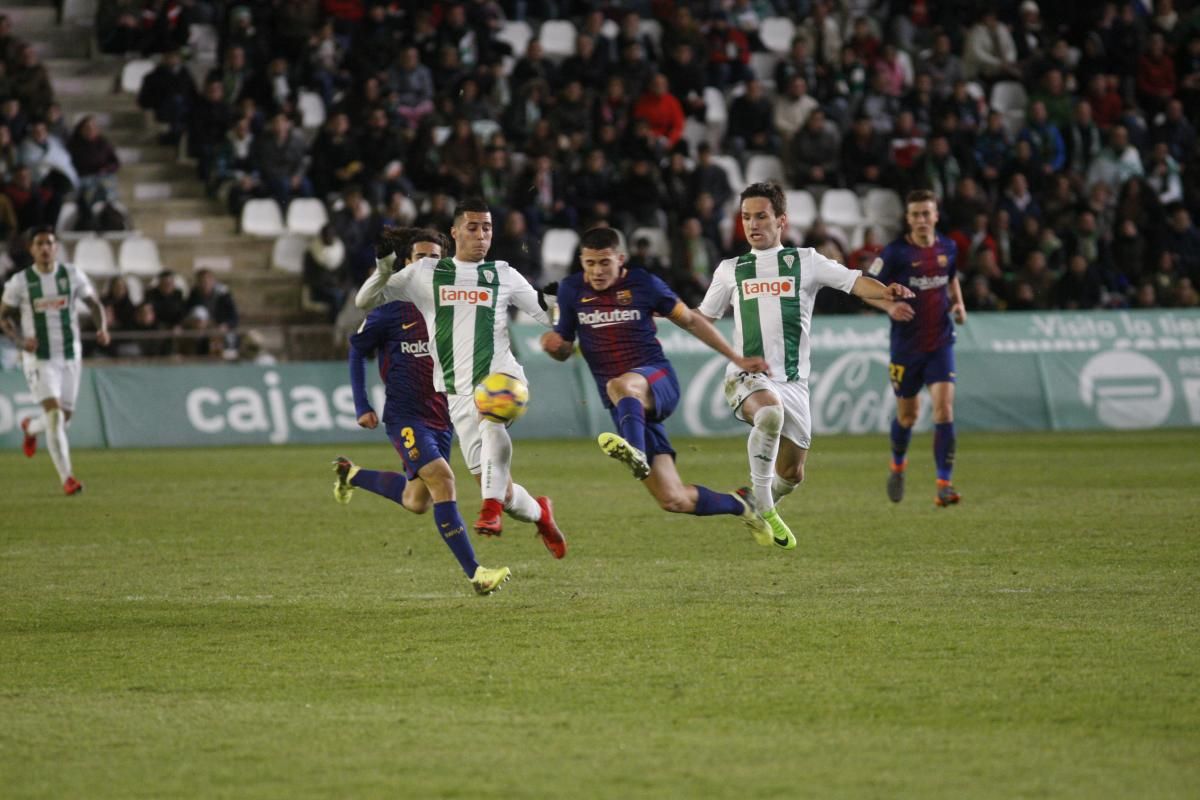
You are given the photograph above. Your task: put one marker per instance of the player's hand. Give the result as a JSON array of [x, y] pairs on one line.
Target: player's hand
[[102, 337], [959, 312], [386, 264], [368, 421], [550, 289], [898, 291], [30, 345], [901, 312], [556, 346], [753, 364]]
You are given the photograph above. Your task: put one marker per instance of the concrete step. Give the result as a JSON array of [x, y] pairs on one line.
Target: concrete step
[[165, 226], [29, 20], [150, 192], [70, 88], [58, 43], [147, 154], [112, 118], [138, 171], [174, 206], [99, 64], [225, 255]]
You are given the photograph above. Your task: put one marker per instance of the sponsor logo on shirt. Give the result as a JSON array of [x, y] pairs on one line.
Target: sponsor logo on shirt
[[407, 325], [44, 304], [755, 288], [588, 299], [463, 296], [420, 348], [602, 319], [924, 282]]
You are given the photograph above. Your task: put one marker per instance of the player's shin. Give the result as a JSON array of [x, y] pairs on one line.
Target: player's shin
[[943, 449], [453, 531], [762, 447], [781, 488], [386, 484], [710, 503], [901, 436], [496, 460], [56, 443], [36, 425], [631, 420], [521, 506]]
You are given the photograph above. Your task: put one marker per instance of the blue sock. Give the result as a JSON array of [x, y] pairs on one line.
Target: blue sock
[[631, 421], [943, 449], [710, 503], [388, 484], [901, 436], [454, 533]]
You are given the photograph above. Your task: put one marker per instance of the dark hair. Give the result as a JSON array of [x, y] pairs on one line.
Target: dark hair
[[920, 196], [39, 230], [600, 239], [771, 192], [401, 240], [475, 205]]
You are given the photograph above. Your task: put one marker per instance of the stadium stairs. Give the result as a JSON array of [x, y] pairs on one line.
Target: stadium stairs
[[165, 199]]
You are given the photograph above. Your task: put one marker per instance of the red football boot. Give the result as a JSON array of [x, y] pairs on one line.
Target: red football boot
[[29, 446], [547, 528], [72, 486], [490, 522]]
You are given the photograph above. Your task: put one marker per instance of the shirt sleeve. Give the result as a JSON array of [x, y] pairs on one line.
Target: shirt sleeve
[[952, 255], [827, 272], [720, 292], [358, 381], [84, 283], [12, 292], [370, 335], [881, 267], [567, 321], [525, 297], [663, 299], [379, 288]]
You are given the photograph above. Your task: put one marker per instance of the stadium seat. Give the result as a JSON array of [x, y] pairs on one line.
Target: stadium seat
[[764, 65], [716, 115], [725, 229], [306, 215], [694, 133], [558, 252], [516, 34], [312, 110], [777, 33], [485, 129], [840, 207], [765, 168], [137, 290], [288, 253], [440, 134], [202, 39], [94, 256], [610, 29], [653, 29], [733, 171], [139, 256], [801, 208], [133, 72], [68, 215], [659, 245], [262, 217], [1009, 96], [558, 38], [883, 207]]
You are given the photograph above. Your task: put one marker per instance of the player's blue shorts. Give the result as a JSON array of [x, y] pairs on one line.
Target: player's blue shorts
[[664, 388], [910, 372], [418, 444]]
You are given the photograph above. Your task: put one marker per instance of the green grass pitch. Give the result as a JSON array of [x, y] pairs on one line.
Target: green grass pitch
[[209, 623]]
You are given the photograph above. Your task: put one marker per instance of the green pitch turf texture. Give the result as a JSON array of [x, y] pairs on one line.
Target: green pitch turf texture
[[209, 623]]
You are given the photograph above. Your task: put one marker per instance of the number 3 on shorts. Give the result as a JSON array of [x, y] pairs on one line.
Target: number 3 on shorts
[[896, 373], [409, 439]]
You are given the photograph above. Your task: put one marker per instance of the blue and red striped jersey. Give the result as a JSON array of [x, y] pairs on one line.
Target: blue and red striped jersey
[[615, 327], [927, 271], [396, 331]]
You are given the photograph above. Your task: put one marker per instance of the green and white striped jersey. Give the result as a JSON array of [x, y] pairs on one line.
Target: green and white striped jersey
[[49, 312], [465, 306], [772, 293]]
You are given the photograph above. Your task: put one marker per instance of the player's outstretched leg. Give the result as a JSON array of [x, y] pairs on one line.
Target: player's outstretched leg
[[901, 436], [31, 427], [60, 450], [762, 448], [943, 456], [525, 507], [751, 517], [496, 464], [351, 476], [619, 449]]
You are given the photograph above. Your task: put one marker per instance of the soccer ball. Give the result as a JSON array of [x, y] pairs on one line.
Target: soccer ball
[[501, 398]]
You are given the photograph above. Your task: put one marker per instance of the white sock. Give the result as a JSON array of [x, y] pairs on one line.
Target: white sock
[[37, 424], [496, 460], [763, 446], [781, 488], [522, 506], [56, 443]]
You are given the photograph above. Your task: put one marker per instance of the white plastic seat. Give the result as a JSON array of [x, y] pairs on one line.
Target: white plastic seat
[[652, 28], [68, 215], [94, 256], [716, 115], [134, 72], [202, 39], [776, 34], [883, 207], [659, 245], [761, 168], [764, 65], [1009, 96], [801, 208], [306, 215], [137, 290], [288, 253], [262, 217], [516, 34], [558, 38], [139, 256], [840, 207], [558, 251], [312, 110], [733, 171], [485, 129]]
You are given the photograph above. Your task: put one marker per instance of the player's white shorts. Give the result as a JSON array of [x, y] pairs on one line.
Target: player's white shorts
[[793, 396], [465, 417], [54, 378]]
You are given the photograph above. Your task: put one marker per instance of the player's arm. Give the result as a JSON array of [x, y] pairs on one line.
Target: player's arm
[[527, 298], [560, 342], [881, 270], [10, 324], [384, 284], [958, 308], [700, 326], [719, 295], [358, 387], [100, 318], [870, 289]]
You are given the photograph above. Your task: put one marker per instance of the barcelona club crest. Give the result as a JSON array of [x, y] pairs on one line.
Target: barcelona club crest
[[414, 453], [943, 261], [624, 297]]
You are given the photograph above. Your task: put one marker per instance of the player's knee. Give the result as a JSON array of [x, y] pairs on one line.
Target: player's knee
[[769, 419], [943, 414], [617, 388], [906, 418]]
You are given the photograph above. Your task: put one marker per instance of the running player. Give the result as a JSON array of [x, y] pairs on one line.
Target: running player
[[922, 339], [39, 313], [611, 308], [772, 289], [465, 301], [415, 417]]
